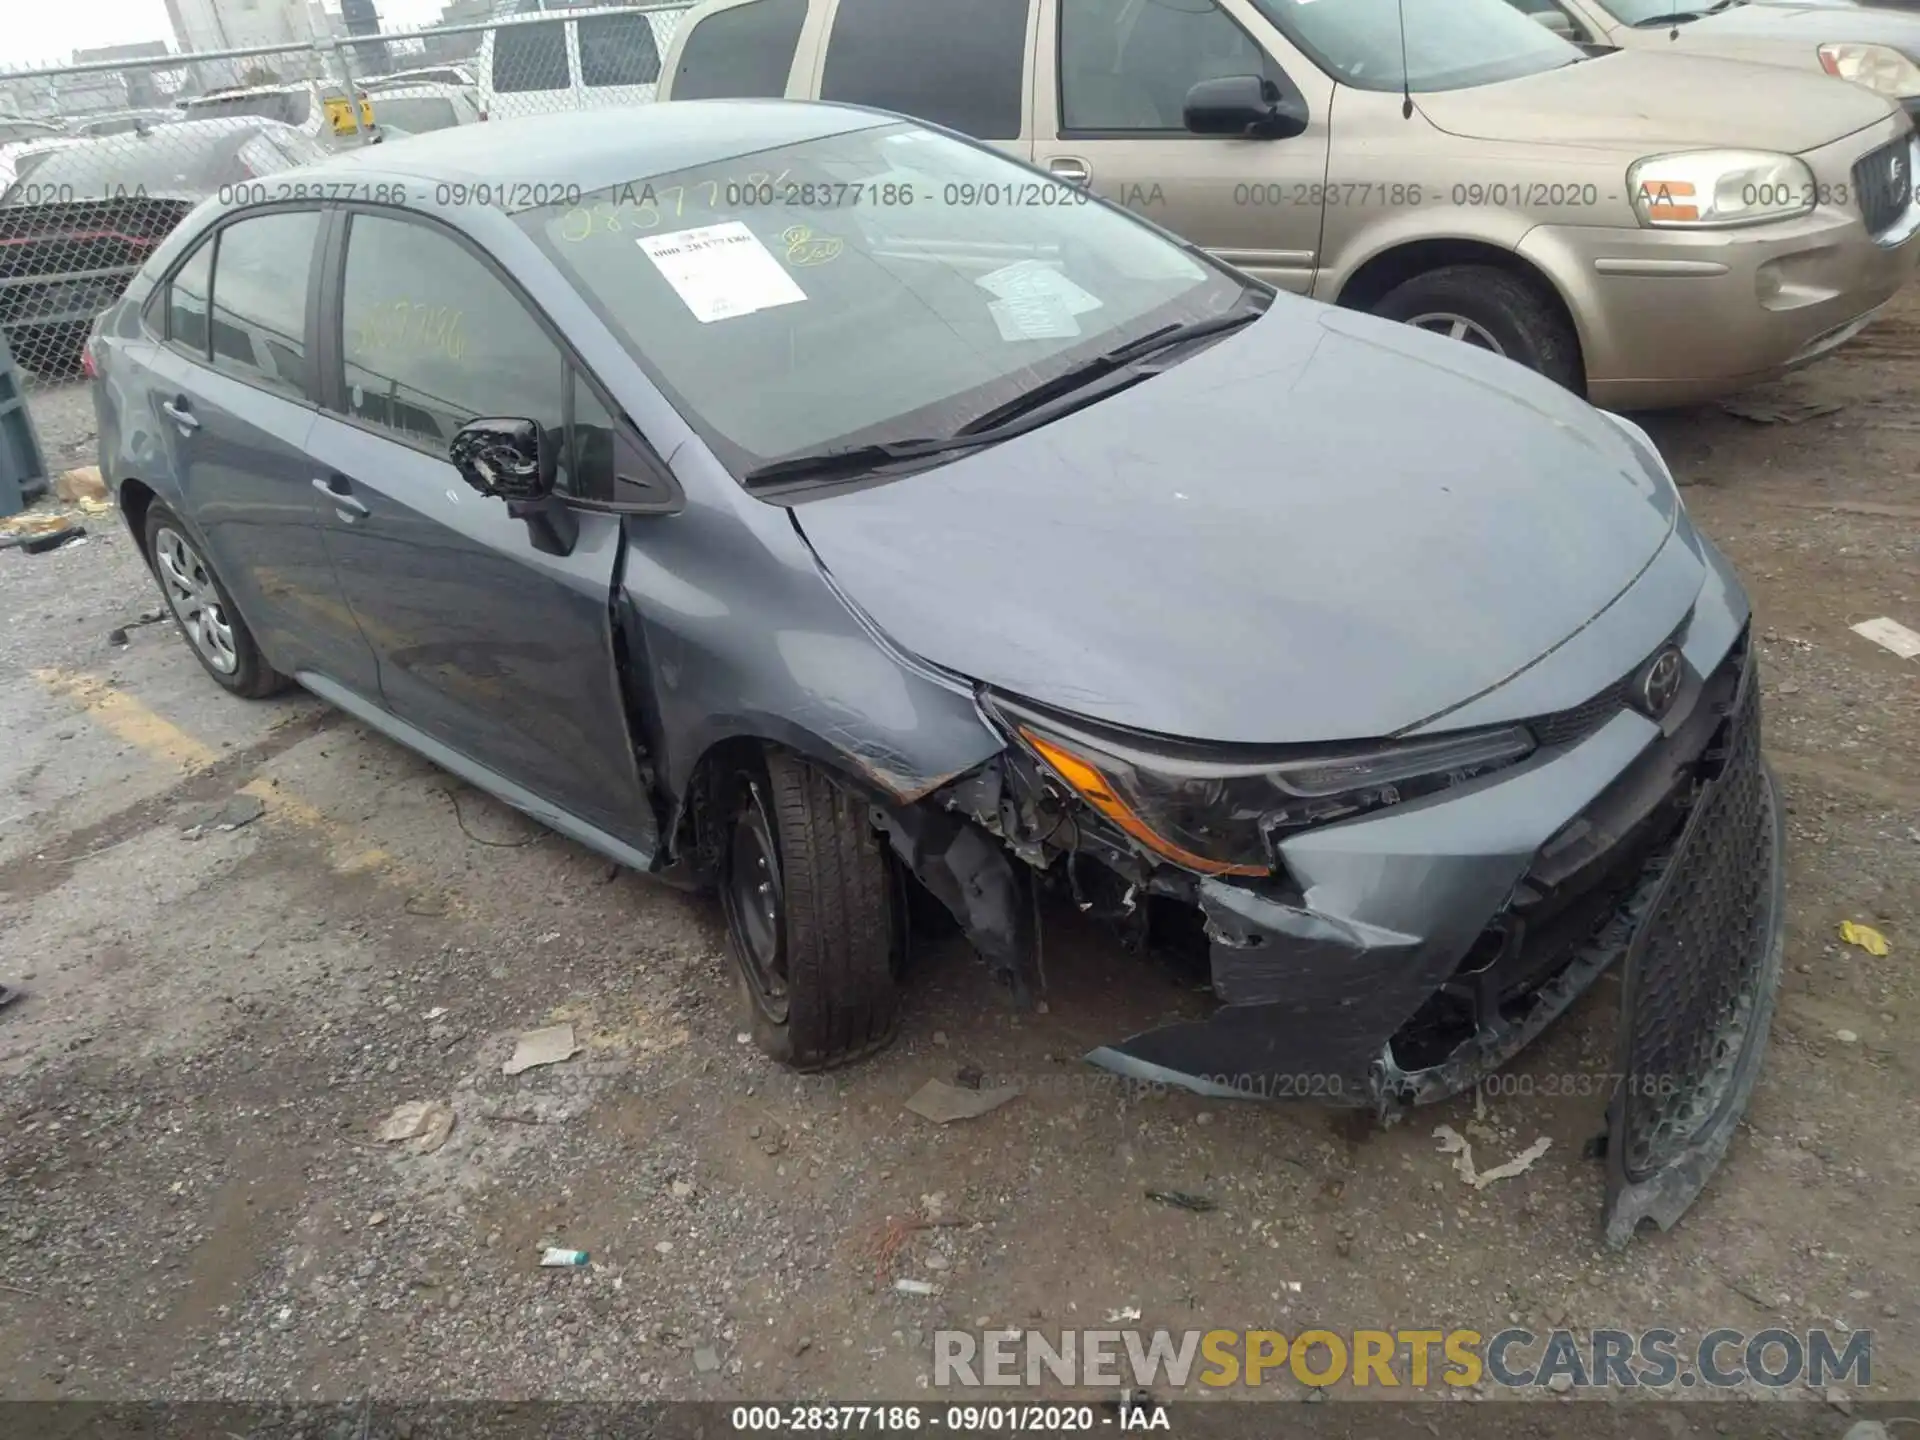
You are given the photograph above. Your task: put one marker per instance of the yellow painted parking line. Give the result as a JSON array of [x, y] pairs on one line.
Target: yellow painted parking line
[[126, 717], [131, 721]]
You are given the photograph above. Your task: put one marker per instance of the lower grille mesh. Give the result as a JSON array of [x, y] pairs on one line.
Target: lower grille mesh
[[1701, 956]]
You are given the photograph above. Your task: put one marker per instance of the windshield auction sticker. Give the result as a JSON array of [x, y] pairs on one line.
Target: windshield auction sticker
[[721, 271]]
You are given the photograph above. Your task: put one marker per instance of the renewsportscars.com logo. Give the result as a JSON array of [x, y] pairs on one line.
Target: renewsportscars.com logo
[[1516, 1358]]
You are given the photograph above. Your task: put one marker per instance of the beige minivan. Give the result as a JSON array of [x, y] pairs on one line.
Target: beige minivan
[[1650, 228]]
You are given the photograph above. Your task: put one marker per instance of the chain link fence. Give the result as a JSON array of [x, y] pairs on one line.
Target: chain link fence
[[100, 160]]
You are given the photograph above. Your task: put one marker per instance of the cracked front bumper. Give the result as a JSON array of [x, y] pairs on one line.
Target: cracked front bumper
[[1423, 947]]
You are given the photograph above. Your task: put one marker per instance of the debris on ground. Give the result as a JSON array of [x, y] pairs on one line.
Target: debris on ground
[[1866, 937], [969, 1077], [1453, 1143], [548, 1046], [1890, 634], [706, 1359], [1125, 1315], [1181, 1200], [30, 525], [943, 1103], [554, 1258], [239, 810], [1766, 410], [913, 1287], [58, 537], [893, 1236], [81, 485], [9, 994], [118, 635], [426, 1123]]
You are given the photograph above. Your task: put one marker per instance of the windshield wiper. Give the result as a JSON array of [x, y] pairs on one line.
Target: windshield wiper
[[856, 459], [1678, 17], [852, 459], [1104, 364]]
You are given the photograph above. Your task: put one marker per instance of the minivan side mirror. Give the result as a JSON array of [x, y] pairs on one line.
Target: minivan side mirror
[[515, 460], [1556, 20], [1249, 106], [508, 458]]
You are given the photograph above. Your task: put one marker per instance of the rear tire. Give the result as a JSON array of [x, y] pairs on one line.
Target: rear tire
[[813, 919], [1494, 310], [209, 621]]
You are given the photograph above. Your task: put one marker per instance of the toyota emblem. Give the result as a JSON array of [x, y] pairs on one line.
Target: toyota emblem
[[1658, 684]]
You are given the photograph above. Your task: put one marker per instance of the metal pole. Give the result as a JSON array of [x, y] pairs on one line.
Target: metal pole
[[353, 95]]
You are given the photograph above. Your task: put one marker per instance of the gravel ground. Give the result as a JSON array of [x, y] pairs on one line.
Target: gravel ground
[[194, 1201]]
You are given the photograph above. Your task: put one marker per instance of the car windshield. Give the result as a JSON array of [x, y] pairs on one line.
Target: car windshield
[[415, 114], [864, 287], [1646, 12], [1448, 44], [290, 107]]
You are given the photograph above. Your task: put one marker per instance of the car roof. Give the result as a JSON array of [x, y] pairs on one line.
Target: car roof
[[589, 149], [284, 87], [418, 90]]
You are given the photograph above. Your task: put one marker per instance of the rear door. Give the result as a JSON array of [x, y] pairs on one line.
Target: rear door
[[498, 651], [1109, 112], [230, 389], [959, 63]]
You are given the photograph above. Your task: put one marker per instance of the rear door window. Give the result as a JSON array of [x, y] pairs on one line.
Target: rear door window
[[260, 299], [958, 63], [742, 52], [531, 57], [617, 50], [187, 302], [432, 338]]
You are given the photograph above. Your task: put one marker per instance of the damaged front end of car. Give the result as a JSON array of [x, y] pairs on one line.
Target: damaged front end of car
[[1387, 925]]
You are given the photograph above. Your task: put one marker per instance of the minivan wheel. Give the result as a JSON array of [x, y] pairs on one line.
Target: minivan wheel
[[203, 610], [811, 906], [1491, 309]]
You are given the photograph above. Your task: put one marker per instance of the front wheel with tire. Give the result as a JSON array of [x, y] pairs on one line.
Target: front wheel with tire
[[1491, 309], [812, 914], [204, 611]]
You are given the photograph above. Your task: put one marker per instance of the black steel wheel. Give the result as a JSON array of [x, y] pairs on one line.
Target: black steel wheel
[[813, 914]]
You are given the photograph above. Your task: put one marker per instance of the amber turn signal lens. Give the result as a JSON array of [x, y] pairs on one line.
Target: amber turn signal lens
[[1091, 786]]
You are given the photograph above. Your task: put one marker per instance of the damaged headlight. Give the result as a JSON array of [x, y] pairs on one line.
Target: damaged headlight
[[1213, 809]]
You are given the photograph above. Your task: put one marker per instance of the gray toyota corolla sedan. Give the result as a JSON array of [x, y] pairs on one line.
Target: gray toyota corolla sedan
[[815, 505]]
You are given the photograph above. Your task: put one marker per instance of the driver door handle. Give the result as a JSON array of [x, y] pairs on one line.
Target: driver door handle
[[337, 488], [1070, 168], [177, 411]]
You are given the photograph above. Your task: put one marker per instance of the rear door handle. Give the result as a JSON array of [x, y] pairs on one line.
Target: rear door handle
[[177, 411], [338, 489], [1070, 168]]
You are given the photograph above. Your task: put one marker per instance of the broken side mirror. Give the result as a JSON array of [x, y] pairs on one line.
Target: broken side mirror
[[508, 458], [1244, 106], [517, 461]]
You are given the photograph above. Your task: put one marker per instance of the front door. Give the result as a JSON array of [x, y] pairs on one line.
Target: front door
[[230, 389], [1109, 95], [499, 651]]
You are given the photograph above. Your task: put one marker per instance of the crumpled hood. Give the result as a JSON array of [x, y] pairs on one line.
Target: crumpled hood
[[1660, 99], [1325, 526]]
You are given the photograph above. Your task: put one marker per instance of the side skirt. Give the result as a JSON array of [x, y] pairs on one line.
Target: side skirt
[[476, 774]]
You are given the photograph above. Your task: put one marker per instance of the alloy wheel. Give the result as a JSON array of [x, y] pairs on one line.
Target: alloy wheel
[[1457, 327], [195, 599]]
